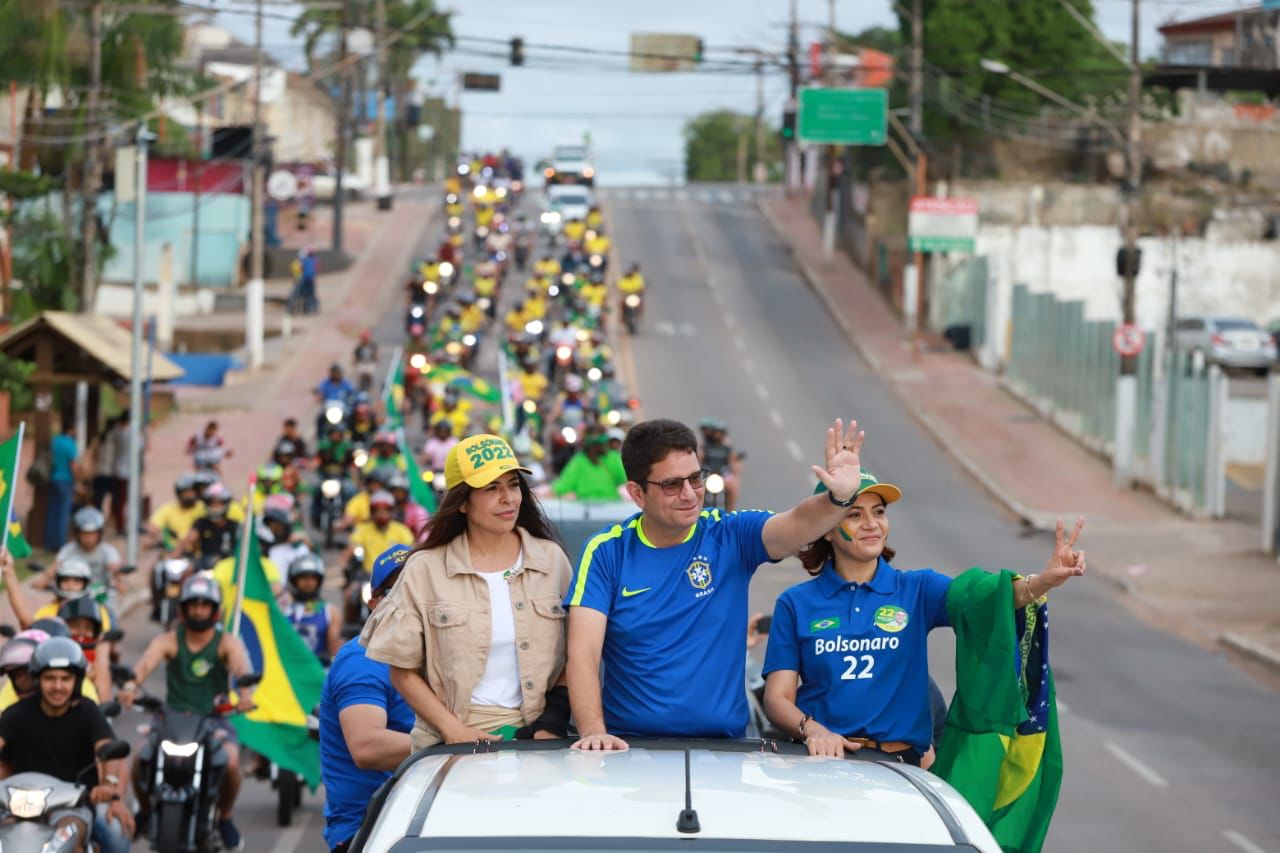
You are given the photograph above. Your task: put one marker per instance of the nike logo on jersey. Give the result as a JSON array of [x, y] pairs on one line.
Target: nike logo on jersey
[[627, 593]]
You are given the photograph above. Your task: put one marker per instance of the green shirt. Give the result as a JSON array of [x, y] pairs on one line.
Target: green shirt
[[194, 679], [591, 481]]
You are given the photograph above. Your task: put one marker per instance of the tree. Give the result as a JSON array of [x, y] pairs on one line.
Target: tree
[[712, 141], [43, 254]]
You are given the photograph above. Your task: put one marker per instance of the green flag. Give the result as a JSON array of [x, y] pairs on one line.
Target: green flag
[[292, 676], [393, 400], [420, 491], [10, 457], [472, 385], [1001, 748]]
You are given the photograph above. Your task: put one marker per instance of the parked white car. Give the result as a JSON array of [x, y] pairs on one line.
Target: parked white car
[[664, 795]]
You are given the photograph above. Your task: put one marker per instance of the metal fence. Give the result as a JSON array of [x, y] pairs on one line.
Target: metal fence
[[959, 299]]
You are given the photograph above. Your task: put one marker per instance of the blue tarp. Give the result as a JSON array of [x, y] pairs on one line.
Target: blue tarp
[[203, 368]]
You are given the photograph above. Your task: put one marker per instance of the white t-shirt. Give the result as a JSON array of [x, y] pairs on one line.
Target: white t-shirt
[[500, 684]]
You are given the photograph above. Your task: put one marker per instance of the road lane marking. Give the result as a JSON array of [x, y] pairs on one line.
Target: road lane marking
[[665, 328], [1242, 842], [794, 450], [1136, 766], [290, 838], [761, 391], [776, 417]]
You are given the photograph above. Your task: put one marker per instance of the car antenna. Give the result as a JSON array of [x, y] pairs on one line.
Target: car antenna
[[688, 820]]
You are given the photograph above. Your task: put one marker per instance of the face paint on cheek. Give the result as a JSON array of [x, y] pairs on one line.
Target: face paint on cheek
[[844, 534]]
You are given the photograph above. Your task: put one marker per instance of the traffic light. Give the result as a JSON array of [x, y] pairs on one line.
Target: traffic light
[[1126, 263], [788, 131], [517, 51]]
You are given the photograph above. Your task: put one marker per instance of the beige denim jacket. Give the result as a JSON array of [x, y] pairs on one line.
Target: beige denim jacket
[[436, 620]]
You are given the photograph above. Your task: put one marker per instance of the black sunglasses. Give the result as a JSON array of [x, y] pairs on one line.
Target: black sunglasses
[[675, 485]]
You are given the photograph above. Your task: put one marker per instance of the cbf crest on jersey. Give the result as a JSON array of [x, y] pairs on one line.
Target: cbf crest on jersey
[[699, 572]]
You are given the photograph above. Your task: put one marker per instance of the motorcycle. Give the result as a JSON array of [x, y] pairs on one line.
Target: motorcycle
[[166, 583], [631, 306], [330, 497], [288, 784], [356, 591], [523, 248], [181, 768], [416, 315], [28, 800], [331, 413]]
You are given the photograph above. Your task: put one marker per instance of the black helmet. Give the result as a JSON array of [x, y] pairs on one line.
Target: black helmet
[[60, 653], [84, 607], [51, 625], [278, 515], [307, 564], [200, 588], [186, 483]]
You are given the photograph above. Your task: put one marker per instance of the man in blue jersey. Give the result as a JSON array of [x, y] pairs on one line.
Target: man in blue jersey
[[661, 598], [364, 722]]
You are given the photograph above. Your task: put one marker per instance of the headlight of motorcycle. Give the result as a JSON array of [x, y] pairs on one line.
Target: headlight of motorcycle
[[553, 290], [632, 300], [416, 311], [469, 340], [570, 434], [614, 417], [333, 414], [568, 279], [480, 191], [430, 288], [28, 803], [453, 348], [446, 269], [417, 361], [330, 489], [530, 407], [483, 303], [500, 192], [482, 231], [583, 335], [179, 750], [451, 198], [455, 222], [594, 374], [715, 484], [564, 353], [361, 457], [595, 260]]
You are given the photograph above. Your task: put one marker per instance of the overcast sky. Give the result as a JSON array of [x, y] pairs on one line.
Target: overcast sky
[[635, 119]]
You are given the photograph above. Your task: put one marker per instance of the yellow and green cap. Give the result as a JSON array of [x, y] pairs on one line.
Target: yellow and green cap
[[888, 491], [478, 460]]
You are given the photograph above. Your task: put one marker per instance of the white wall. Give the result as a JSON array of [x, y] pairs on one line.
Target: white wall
[[1078, 262]]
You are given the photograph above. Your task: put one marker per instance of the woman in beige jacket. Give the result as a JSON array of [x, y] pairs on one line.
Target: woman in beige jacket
[[474, 630]]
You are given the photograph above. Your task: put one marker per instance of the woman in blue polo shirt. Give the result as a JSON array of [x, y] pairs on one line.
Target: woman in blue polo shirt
[[847, 665]]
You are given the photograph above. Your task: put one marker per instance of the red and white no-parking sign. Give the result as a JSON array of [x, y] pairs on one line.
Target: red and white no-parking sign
[[1128, 339]]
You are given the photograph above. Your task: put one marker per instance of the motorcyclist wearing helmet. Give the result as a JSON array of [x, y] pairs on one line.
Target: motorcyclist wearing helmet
[[214, 535], [224, 571], [87, 545], [290, 433], [173, 520], [57, 732], [380, 532], [287, 541], [452, 407], [268, 483], [409, 513], [85, 619], [719, 457], [356, 509], [365, 359], [316, 621], [364, 423], [71, 580], [384, 453], [200, 661], [334, 387], [15, 659], [333, 451]]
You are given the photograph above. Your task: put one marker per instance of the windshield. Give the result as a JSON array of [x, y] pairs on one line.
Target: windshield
[[570, 152], [1236, 325], [571, 200]]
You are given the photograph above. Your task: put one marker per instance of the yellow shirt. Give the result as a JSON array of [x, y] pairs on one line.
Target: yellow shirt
[[485, 285], [430, 271], [8, 695], [472, 318], [514, 321], [459, 419], [235, 511], [597, 245], [224, 572], [358, 507], [534, 385], [484, 215], [595, 294], [574, 229], [173, 517], [594, 219], [452, 185], [547, 267], [50, 610], [375, 541], [535, 307], [631, 283]]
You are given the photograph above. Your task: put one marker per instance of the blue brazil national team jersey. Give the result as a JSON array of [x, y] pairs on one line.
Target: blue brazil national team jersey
[[675, 649], [861, 650], [353, 679]]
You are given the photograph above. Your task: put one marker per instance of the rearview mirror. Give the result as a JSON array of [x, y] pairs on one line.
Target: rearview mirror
[[114, 750], [7, 630], [115, 635], [249, 679], [121, 674], [110, 709], [128, 569]]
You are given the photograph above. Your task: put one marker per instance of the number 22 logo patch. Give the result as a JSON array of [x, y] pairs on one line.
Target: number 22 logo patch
[[891, 618]]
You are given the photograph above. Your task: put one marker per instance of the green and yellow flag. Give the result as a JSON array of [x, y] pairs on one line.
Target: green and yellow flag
[[420, 490], [10, 457], [1001, 748], [470, 384], [393, 400], [292, 676]]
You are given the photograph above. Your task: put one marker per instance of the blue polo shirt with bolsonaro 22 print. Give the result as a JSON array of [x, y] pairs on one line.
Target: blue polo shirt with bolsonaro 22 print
[[675, 646], [862, 650]]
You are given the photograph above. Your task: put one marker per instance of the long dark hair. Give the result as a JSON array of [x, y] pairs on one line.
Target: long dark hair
[[816, 554], [449, 521]]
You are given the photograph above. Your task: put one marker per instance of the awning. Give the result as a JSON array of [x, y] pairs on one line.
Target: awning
[[106, 344]]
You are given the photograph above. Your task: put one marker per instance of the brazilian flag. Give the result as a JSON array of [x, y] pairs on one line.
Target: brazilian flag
[[10, 457], [393, 401], [420, 490], [1001, 748], [292, 676], [470, 384]]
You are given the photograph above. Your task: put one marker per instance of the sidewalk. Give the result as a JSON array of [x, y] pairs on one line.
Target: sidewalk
[[1161, 558]]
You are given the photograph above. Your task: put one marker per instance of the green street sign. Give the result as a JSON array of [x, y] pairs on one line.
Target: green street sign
[[843, 116]]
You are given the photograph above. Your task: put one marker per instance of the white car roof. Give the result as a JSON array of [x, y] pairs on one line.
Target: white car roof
[[553, 798]]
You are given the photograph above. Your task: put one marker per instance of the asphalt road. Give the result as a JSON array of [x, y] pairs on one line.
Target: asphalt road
[[1167, 746]]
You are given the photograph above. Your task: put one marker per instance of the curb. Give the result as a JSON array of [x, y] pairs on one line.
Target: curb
[[1029, 517], [1251, 649]]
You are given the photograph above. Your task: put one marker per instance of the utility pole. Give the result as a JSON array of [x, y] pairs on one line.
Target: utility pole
[[791, 154], [1127, 383], [917, 69], [344, 116], [254, 304], [831, 217], [759, 171], [92, 166], [381, 165], [134, 519]]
